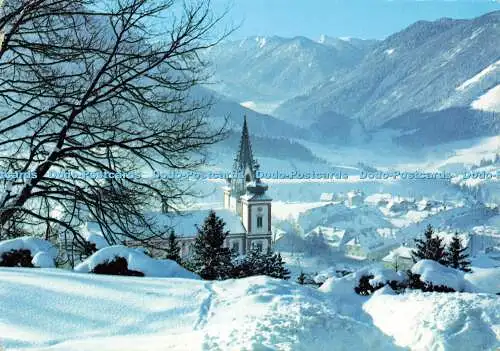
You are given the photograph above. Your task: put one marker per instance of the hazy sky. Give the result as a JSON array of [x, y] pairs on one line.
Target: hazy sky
[[355, 18]]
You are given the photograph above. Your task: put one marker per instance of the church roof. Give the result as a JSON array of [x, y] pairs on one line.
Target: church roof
[[400, 252], [184, 223]]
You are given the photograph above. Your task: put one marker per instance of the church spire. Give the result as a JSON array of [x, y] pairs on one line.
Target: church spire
[[245, 167], [244, 158]]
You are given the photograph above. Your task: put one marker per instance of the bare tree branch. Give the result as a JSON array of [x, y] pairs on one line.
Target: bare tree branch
[[101, 87]]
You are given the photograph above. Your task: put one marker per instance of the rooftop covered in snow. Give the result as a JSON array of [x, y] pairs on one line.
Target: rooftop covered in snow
[[184, 223], [401, 252]]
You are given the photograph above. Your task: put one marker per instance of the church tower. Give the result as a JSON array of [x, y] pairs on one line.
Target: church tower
[[246, 195]]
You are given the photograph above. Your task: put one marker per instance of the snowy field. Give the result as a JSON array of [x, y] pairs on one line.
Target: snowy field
[[51, 309]]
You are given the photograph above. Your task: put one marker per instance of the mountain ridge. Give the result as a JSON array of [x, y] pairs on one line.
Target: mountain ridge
[[418, 68], [275, 68]]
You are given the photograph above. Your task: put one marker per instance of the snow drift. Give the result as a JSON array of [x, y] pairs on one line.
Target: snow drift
[[42, 251], [137, 261], [432, 272], [438, 321], [421, 321], [67, 311]]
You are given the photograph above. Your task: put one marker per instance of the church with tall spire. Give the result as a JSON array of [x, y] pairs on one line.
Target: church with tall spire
[[246, 211], [245, 195]]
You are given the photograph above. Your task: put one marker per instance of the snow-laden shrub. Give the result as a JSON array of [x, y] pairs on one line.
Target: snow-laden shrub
[[16, 258], [27, 251], [117, 266], [308, 279], [372, 278], [108, 259], [91, 244], [429, 275], [365, 281], [337, 271], [368, 285]]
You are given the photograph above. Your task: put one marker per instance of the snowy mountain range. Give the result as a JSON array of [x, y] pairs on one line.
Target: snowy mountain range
[[427, 67], [443, 73], [268, 69]]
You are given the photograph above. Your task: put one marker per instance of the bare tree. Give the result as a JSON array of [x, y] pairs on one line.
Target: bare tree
[[102, 87]]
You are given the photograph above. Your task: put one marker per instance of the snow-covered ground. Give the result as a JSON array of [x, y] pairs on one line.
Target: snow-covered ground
[[433, 321], [74, 311]]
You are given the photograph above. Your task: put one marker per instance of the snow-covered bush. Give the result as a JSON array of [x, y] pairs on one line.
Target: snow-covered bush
[[16, 258], [93, 242], [365, 281], [309, 279], [429, 275], [117, 266], [98, 241], [338, 271], [27, 251], [373, 278], [113, 258]]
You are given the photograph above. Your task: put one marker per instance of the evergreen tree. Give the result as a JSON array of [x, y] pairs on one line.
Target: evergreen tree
[[257, 262], [241, 268], [211, 260], [429, 248], [275, 267], [456, 255], [173, 248]]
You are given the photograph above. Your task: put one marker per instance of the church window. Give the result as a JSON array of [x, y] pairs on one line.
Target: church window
[[259, 222], [257, 245], [235, 247], [247, 178]]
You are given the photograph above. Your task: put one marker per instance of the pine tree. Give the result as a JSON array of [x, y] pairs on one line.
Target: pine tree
[[276, 267], [211, 260], [456, 255], [258, 262], [173, 248], [422, 245], [430, 248]]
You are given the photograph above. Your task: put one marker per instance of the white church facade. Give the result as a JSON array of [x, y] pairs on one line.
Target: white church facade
[[246, 210]]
